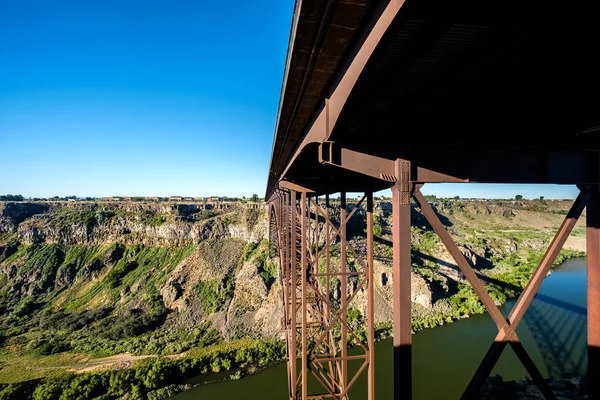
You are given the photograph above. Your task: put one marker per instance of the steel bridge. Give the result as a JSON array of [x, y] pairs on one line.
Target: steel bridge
[[396, 94]]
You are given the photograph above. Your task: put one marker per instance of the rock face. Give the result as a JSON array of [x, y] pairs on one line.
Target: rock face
[[115, 254], [212, 264], [151, 224], [12, 214], [171, 292], [420, 291]]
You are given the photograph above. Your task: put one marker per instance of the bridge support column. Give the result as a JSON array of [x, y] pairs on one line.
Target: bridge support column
[[401, 194], [370, 300], [593, 294]]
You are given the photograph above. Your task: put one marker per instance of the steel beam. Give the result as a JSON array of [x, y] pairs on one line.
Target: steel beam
[[325, 119], [522, 304], [304, 278], [344, 292], [506, 328], [593, 293], [376, 167], [401, 193], [370, 300], [295, 187], [293, 291]]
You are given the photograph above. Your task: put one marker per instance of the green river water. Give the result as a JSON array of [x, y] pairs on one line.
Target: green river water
[[444, 358]]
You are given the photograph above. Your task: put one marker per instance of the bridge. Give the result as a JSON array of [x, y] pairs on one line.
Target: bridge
[[396, 94]]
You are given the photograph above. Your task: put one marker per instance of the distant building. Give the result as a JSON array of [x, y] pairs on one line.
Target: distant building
[[175, 198], [215, 199]]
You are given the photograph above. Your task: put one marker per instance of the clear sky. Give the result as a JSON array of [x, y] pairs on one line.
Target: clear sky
[[148, 97]]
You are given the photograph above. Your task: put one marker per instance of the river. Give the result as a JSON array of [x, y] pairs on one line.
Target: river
[[553, 332]]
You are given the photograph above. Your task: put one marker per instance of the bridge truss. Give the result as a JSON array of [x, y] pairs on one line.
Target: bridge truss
[[318, 293]]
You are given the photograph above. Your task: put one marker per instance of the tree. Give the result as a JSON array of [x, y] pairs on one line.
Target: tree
[[518, 197], [11, 197], [254, 197], [541, 197]]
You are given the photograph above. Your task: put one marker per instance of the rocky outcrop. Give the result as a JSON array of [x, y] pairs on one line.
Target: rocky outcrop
[[151, 224], [12, 214]]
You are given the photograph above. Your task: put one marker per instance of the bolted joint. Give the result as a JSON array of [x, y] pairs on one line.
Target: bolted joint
[[404, 186]]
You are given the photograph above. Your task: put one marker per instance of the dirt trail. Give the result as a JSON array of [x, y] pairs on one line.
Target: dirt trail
[[118, 361]]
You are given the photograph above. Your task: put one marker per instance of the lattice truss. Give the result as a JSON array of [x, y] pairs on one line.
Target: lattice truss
[[322, 277]]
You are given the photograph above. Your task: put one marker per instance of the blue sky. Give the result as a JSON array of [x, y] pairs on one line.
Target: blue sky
[[147, 97]]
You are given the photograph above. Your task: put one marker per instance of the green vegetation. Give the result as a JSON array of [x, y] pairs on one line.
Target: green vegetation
[[11, 197], [74, 216], [266, 270], [152, 378], [151, 219], [426, 240], [206, 214], [209, 296]]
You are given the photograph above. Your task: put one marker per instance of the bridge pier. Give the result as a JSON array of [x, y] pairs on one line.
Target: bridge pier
[[319, 294], [401, 193], [593, 293]]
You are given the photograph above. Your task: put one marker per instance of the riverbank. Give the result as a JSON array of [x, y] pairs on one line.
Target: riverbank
[[152, 378]]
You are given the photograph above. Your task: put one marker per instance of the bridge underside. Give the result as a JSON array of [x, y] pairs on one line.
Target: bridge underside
[[397, 94], [478, 91]]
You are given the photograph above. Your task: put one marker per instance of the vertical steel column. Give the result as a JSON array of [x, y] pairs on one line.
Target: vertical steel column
[[316, 264], [304, 277], [293, 300], [344, 293], [328, 311], [401, 280], [593, 293], [370, 301], [283, 243]]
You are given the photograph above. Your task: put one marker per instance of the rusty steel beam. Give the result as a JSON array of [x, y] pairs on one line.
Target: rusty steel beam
[[541, 271], [370, 300], [463, 264], [401, 193], [295, 187], [292, 331], [506, 330], [344, 290], [376, 167], [593, 293], [325, 119], [525, 299], [304, 278]]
